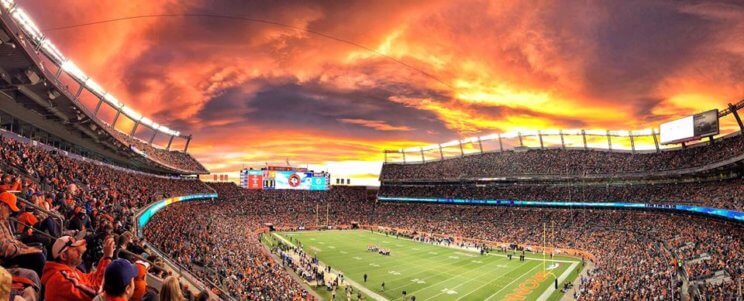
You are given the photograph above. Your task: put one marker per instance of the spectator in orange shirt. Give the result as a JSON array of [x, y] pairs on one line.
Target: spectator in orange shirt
[[140, 283], [61, 278], [12, 251]]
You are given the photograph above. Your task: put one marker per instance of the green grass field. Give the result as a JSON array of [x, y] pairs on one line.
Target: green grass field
[[432, 272]]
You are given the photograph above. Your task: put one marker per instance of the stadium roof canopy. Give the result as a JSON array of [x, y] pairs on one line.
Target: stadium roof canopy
[[41, 97]]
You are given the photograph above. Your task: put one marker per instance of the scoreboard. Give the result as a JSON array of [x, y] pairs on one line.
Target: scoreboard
[[284, 179]]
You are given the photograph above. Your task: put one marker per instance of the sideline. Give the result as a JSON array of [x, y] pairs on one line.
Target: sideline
[[353, 283], [293, 274], [508, 285], [490, 254], [589, 266], [546, 294], [283, 239]]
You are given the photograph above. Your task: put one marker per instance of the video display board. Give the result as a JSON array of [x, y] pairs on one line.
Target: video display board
[[690, 128], [254, 179], [299, 179]]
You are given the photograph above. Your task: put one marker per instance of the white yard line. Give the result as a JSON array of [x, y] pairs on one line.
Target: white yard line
[[478, 251], [283, 239], [510, 283], [488, 283], [546, 294], [457, 286], [449, 279], [366, 291], [534, 259]]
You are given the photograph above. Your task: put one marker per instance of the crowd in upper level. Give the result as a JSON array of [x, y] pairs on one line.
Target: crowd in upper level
[[179, 160], [727, 194], [569, 162]]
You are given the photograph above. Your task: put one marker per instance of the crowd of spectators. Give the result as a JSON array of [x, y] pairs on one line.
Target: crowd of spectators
[[639, 255], [179, 160], [72, 240], [728, 194], [223, 246], [218, 242], [635, 250], [66, 226], [569, 162]]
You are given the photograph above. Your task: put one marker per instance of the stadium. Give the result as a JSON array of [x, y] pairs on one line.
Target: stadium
[[267, 151]]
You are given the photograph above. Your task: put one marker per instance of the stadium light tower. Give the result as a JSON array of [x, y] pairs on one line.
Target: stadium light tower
[[583, 136], [609, 140], [188, 140], [734, 110], [656, 140]]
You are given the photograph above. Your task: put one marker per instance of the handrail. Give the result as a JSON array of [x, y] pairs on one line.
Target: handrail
[[142, 217], [47, 212], [47, 235], [180, 270], [185, 273]]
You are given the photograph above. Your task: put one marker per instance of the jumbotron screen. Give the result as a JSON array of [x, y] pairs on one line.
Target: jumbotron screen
[[690, 128], [284, 179]]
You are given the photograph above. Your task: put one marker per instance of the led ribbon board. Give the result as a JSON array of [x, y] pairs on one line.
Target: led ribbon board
[[148, 213], [716, 212]]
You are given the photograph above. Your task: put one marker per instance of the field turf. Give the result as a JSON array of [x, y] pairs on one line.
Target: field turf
[[432, 272]]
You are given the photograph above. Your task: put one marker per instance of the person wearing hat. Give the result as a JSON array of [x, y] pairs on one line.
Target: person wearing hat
[[10, 184], [61, 278], [140, 282], [118, 281], [13, 252], [27, 225]]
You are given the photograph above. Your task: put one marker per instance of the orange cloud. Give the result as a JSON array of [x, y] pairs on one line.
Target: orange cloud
[[375, 124], [338, 82]]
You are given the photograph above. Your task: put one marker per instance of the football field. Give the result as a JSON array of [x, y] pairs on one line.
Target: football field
[[431, 272]]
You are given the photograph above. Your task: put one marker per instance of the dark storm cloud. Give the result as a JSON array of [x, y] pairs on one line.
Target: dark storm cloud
[[312, 107], [639, 45]]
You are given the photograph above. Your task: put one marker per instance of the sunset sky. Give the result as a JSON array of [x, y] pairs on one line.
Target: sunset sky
[[334, 83]]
